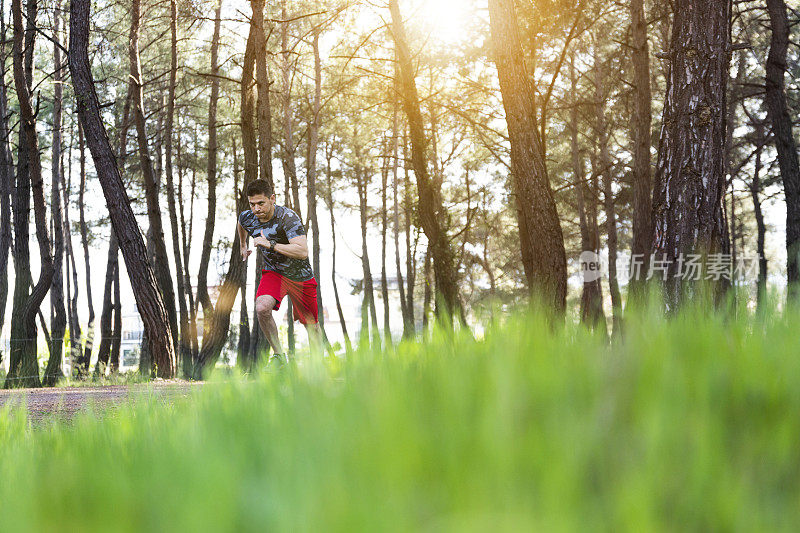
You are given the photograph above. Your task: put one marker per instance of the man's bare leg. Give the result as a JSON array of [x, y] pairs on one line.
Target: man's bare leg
[[264, 307], [314, 338]]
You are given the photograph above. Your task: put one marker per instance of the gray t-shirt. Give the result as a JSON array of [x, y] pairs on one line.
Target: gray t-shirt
[[284, 225]]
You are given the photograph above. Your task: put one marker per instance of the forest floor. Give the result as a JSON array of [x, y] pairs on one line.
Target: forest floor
[[61, 403]]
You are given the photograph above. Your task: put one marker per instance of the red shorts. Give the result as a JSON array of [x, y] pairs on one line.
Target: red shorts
[[302, 293]]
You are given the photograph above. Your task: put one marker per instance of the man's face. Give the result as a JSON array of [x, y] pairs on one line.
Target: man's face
[[262, 206]]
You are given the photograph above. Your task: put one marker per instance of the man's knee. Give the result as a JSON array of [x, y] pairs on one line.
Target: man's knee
[[264, 306], [313, 328]]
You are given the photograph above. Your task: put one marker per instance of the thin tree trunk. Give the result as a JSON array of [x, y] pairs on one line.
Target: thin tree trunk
[[411, 272], [217, 331], [251, 156], [329, 199], [24, 368], [31, 12], [408, 326], [185, 354], [542, 242], [148, 300], [53, 370], [755, 190], [368, 286], [289, 310], [21, 206], [87, 348], [465, 233], [591, 309], [608, 194], [108, 316], [311, 172], [104, 350], [431, 211], [264, 110], [248, 110], [75, 346], [258, 341], [485, 259], [244, 328], [211, 172], [151, 192], [289, 165], [368, 301], [6, 175], [186, 249], [640, 132], [690, 173], [387, 331], [117, 336], [731, 124], [785, 145], [426, 304], [242, 358]]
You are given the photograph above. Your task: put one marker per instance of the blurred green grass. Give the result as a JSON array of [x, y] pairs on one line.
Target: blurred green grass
[[690, 423]]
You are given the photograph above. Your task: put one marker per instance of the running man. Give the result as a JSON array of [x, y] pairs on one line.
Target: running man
[[280, 234]]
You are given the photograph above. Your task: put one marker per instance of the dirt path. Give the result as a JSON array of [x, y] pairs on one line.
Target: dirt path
[[64, 402]]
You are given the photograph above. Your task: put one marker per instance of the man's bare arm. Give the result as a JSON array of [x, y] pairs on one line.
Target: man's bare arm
[[245, 251], [296, 249]]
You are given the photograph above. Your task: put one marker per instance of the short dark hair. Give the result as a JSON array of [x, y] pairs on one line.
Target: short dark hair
[[260, 187]]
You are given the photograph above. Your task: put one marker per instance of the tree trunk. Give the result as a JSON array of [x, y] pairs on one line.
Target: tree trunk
[[6, 175], [104, 350], [431, 211], [242, 359], [362, 177], [690, 174], [53, 370], [640, 132], [407, 325], [485, 259], [608, 194], [387, 332], [220, 320], [591, 309], [426, 302], [778, 114], [217, 330], [117, 336], [542, 242], [211, 172], [161, 267], [87, 347], [185, 354], [258, 341], [188, 367], [24, 368], [730, 127], [21, 206], [264, 110], [311, 172], [411, 270], [329, 199], [755, 190], [248, 110], [148, 300], [75, 346], [251, 155], [108, 316], [289, 165]]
